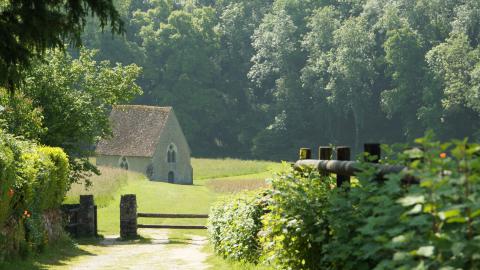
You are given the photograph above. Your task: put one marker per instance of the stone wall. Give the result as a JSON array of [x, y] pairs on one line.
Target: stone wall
[[13, 240], [53, 224], [136, 164], [81, 219], [182, 168]]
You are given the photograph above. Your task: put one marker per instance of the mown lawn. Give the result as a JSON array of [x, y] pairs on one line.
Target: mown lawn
[[212, 178]]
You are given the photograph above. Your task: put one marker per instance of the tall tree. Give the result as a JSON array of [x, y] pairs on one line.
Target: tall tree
[[75, 97], [403, 50], [28, 28], [353, 72]]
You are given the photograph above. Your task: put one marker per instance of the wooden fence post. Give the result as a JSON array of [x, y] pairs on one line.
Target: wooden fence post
[[86, 217], [374, 155], [305, 153], [374, 151], [128, 216], [325, 153], [343, 153]]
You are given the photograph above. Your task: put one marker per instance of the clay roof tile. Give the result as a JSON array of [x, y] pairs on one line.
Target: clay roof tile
[[136, 130]]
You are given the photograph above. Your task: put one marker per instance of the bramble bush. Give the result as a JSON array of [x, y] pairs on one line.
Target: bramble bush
[[233, 225], [34, 179], [380, 224]]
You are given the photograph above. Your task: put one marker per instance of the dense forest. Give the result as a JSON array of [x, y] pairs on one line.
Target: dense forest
[[257, 78]]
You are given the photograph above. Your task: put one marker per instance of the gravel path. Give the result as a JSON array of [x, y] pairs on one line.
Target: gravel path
[[159, 254]]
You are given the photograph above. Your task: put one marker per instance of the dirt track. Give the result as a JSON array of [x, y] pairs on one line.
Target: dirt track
[[159, 253]]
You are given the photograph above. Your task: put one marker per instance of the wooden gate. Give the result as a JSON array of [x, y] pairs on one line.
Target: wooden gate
[[129, 218], [153, 215]]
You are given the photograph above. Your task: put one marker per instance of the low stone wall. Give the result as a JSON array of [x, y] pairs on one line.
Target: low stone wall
[[53, 224], [81, 219], [11, 237]]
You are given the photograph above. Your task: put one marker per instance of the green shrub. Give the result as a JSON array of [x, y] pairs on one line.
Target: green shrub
[[373, 224], [433, 225], [33, 179], [233, 225], [7, 180], [363, 222], [295, 229]]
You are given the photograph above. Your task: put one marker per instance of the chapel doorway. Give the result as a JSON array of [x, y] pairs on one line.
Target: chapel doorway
[[171, 177]]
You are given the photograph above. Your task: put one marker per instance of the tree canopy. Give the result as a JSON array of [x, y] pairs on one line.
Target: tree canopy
[[65, 102], [28, 28], [262, 78]]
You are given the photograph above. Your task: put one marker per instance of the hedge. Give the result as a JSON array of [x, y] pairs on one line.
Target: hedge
[[233, 225], [33, 179]]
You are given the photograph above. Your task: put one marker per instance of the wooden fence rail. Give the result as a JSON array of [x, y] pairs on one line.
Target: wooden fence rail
[[343, 167], [129, 218], [151, 215]]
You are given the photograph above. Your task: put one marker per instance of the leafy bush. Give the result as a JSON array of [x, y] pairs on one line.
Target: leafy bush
[[295, 229], [432, 225], [390, 224], [233, 225], [33, 179], [7, 176]]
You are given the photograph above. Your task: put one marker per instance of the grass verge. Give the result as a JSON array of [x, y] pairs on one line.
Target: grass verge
[[53, 256], [218, 263]]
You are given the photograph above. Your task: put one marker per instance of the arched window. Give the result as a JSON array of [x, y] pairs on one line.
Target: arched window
[[172, 153]]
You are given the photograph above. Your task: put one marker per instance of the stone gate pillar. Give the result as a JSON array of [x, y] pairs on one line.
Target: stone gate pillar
[[128, 216], [86, 217]]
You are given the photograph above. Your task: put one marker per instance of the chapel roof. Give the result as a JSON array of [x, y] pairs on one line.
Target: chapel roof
[[136, 130]]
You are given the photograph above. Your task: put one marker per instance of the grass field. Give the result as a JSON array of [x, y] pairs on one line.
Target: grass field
[[212, 178], [206, 169], [104, 186]]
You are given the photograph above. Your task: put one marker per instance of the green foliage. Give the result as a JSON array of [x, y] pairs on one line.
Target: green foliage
[[28, 29], [34, 179], [20, 116], [8, 176], [263, 78], [75, 97], [295, 227], [387, 224], [426, 226], [233, 225]]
